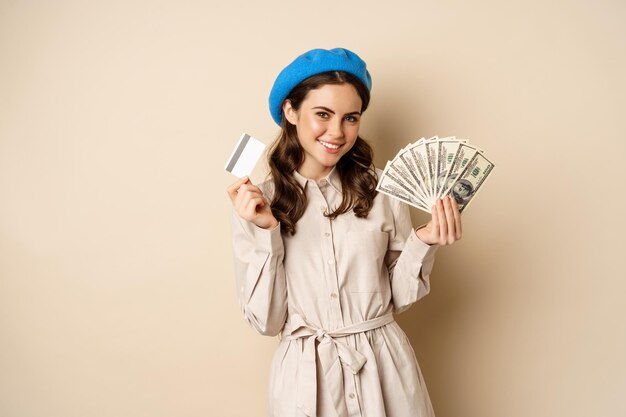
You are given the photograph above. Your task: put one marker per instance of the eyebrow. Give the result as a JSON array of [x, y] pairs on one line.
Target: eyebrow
[[330, 111]]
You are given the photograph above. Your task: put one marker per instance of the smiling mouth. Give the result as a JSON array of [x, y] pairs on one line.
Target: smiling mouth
[[329, 145]]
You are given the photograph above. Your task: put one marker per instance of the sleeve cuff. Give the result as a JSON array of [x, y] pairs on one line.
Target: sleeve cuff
[[269, 240], [418, 249]]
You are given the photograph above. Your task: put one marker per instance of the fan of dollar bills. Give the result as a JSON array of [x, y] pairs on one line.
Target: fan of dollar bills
[[433, 168]]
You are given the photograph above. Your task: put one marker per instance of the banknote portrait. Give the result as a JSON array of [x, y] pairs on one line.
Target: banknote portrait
[[462, 191]]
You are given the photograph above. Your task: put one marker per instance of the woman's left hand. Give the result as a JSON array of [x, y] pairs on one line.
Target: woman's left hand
[[444, 228]]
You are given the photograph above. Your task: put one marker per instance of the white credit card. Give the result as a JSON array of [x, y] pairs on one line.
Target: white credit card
[[245, 156]]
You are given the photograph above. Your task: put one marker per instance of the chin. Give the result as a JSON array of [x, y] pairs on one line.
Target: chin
[[330, 162]]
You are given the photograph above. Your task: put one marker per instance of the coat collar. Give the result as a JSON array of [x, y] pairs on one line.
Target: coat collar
[[332, 178]]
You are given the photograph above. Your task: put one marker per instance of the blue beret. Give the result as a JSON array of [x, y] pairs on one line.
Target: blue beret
[[310, 63]]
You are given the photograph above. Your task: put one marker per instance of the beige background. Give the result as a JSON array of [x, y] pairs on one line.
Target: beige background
[[116, 118]]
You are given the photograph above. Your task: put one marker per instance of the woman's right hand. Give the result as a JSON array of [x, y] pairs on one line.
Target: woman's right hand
[[250, 204]]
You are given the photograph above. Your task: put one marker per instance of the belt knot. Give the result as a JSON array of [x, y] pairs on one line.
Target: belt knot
[[320, 334], [330, 353]]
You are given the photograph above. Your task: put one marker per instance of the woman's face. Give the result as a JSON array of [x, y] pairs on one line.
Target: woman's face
[[327, 124]]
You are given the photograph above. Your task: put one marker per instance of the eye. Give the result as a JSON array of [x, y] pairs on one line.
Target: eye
[[322, 114], [352, 119]]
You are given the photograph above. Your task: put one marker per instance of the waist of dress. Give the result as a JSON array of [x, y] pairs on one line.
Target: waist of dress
[[329, 352], [297, 328]]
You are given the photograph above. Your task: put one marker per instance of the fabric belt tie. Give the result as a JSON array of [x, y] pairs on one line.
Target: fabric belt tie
[[332, 354]]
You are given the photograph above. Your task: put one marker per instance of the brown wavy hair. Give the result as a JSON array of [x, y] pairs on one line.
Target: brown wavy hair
[[356, 169]]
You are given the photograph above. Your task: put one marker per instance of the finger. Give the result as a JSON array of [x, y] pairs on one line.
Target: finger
[[443, 227], [245, 193], [251, 188], [435, 221], [457, 219], [250, 209], [451, 236], [232, 190]]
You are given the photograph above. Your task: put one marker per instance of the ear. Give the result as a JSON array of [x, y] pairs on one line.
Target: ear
[[290, 113]]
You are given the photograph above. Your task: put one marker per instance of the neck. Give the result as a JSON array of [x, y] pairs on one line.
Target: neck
[[314, 173]]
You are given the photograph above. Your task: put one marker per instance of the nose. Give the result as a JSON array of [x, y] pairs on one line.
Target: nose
[[335, 129]]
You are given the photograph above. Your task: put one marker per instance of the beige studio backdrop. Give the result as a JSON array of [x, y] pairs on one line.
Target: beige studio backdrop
[[117, 294]]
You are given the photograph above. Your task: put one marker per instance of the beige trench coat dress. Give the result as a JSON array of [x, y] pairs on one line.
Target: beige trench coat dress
[[330, 292]]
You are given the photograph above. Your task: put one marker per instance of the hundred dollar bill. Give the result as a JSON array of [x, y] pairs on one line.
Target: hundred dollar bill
[[405, 164], [390, 184], [387, 186], [447, 148], [431, 156], [463, 155], [408, 160], [431, 168], [470, 180], [420, 161], [397, 166]]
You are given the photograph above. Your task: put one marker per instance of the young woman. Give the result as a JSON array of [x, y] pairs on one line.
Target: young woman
[[324, 260]]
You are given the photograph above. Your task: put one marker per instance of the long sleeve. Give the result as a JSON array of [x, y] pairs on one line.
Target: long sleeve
[[260, 275], [409, 261]]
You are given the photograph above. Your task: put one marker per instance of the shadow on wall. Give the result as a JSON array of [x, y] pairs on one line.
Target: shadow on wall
[[433, 325]]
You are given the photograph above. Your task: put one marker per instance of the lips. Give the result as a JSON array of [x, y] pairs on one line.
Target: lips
[[329, 146]]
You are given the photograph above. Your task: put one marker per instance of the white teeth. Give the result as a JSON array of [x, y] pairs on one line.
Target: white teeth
[[329, 145]]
